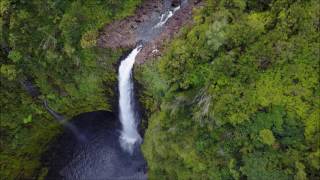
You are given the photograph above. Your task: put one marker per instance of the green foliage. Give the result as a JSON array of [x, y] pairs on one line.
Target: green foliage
[[25, 133], [216, 35], [267, 137], [301, 174], [4, 6], [8, 71], [27, 120], [262, 166], [88, 40], [236, 96], [15, 56], [52, 44]]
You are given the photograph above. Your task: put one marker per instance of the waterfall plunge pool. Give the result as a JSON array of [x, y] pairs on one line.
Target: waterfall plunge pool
[[99, 157]]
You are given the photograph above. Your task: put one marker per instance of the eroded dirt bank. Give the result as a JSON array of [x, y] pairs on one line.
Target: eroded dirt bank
[[128, 32]]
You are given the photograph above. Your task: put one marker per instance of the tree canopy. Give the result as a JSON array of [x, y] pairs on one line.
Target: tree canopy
[[50, 47], [236, 96]]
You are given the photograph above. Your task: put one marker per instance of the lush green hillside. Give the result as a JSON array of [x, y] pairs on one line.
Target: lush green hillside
[[237, 95], [53, 45]]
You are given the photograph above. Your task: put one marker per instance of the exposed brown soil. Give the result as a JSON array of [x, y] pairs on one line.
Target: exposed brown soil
[[124, 33]]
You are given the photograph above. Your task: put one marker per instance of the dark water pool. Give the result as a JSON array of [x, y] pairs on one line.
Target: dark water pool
[[94, 153]]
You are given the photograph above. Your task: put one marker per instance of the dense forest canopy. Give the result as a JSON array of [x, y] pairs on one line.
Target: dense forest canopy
[[48, 51], [236, 96]]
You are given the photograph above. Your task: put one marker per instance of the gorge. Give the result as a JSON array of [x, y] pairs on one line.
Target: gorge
[[160, 89], [81, 159]]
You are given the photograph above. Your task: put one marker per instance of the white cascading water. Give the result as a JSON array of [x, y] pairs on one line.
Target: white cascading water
[[129, 134], [165, 17]]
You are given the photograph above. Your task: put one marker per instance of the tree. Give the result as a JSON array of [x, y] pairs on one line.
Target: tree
[[266, 137]]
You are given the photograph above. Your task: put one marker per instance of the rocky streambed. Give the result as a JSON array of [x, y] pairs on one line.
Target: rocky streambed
[[128, 32]]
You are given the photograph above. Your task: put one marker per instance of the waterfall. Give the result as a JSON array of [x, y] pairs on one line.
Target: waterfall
[[61, 119], [129, 134]]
